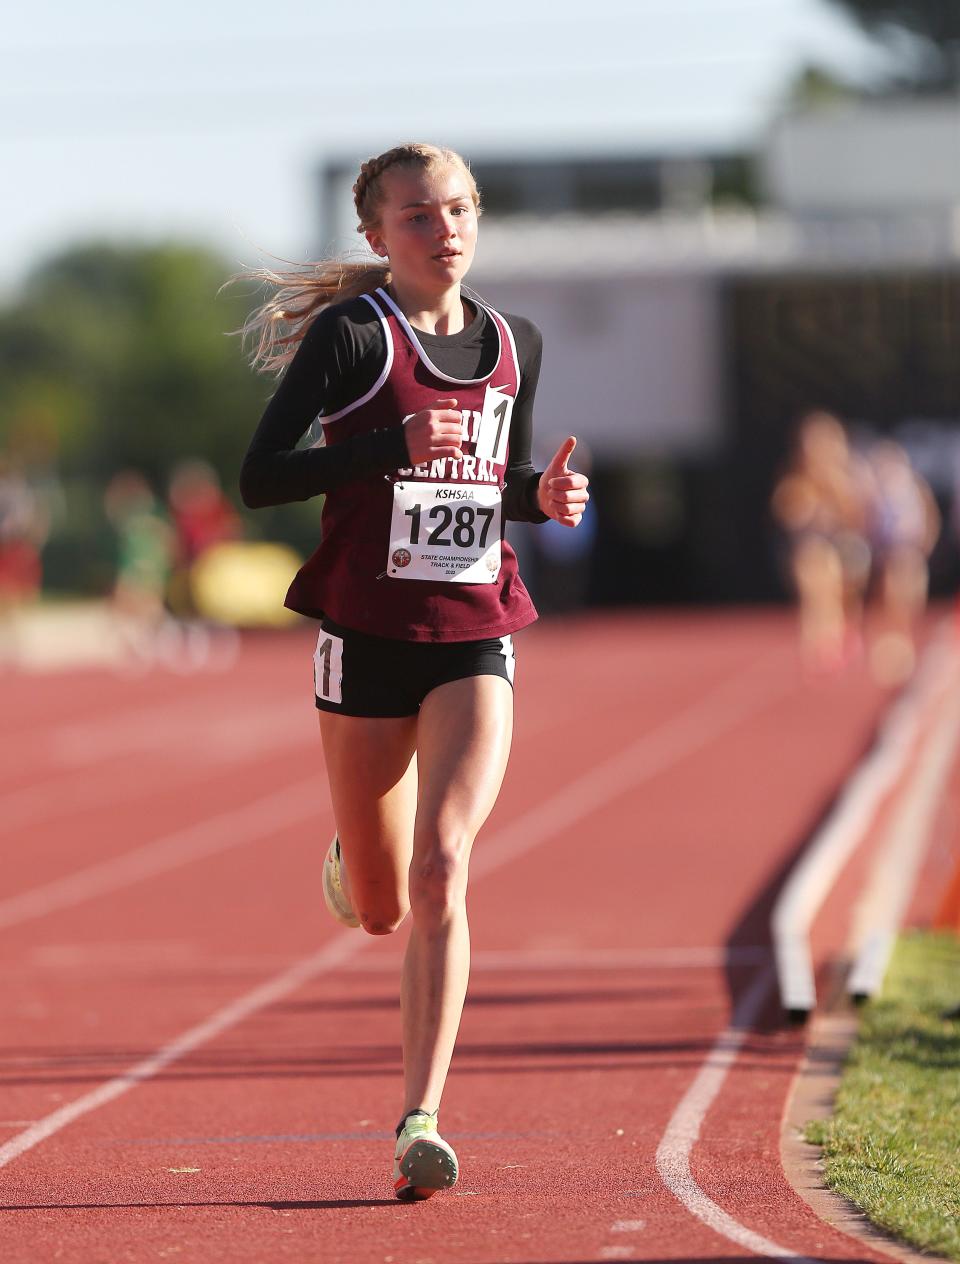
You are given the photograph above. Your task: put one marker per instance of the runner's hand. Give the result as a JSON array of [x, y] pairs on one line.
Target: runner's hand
[[562, 494], [434, 432]]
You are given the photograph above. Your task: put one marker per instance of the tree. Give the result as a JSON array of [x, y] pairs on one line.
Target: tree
[[922, 37], [121, 352], [116, 356], [813, 86]]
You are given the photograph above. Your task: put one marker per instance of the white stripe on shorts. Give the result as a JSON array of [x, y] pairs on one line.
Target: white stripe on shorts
[[328, 667], [506, 649]]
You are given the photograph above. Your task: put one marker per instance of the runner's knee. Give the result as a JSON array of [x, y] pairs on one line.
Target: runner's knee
[[438, 878], [379, 919]]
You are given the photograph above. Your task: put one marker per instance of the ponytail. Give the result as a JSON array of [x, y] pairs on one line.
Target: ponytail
[[276, 328]]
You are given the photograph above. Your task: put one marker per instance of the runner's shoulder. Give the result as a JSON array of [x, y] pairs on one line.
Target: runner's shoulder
[[350, 329], [526, 335]]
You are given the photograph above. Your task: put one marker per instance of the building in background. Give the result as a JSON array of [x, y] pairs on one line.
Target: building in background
[[572, 184], [871, 177]]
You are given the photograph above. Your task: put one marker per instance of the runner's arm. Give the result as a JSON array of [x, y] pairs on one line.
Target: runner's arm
[[334, 350], [521, 479]]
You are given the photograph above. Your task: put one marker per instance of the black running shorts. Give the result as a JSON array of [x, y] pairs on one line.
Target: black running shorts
[[362, 675]]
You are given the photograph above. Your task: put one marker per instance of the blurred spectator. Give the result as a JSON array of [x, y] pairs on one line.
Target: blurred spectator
[[23, 529], [34, 452], [822, 505], [202, 517], [145, 542], [904, 524]]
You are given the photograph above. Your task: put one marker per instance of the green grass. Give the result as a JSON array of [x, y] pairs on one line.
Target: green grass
[[893, 1144]]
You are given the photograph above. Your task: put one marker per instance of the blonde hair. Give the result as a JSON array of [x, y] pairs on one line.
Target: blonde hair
[[278, 325]]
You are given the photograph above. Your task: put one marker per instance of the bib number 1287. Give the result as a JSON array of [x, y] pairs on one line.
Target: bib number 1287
[[445, 532], [458, 526]]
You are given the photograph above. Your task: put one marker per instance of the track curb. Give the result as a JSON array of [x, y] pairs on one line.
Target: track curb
[[811, 1097]]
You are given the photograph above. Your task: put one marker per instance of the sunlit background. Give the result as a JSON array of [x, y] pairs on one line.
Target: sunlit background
[[721, 214]]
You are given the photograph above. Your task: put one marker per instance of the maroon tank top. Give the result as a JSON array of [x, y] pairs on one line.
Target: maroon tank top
[[419, 554]]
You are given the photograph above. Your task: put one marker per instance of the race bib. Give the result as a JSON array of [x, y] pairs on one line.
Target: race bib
[[445, 531]]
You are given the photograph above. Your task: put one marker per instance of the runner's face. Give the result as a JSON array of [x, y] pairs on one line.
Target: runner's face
[[428, 226]]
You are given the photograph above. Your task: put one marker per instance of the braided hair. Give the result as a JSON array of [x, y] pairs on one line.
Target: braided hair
[[368, 192], [278, 325]]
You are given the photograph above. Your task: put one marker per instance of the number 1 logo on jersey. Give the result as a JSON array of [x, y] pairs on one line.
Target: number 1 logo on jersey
[[328, 667], [494, 433]]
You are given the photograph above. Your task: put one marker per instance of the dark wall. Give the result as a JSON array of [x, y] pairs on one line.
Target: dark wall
[[881, 350]]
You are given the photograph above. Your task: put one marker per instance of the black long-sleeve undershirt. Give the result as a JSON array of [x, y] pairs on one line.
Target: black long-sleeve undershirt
[[338, 361]]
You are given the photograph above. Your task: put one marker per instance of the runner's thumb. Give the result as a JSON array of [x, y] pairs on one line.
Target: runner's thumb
[[564, 452]]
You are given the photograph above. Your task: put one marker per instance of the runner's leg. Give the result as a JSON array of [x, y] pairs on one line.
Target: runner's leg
[[463, 740], [372, 770]]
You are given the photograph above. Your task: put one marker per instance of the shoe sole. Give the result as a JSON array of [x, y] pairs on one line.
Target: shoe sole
[[328, 899], [425, 1169]]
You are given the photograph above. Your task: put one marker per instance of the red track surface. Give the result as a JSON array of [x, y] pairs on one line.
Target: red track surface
[[608, 953]]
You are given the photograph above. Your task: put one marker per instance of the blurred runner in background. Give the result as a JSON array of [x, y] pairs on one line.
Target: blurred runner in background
[[822, 504], [904, 523], [144, 543], [202, 517], [23, 529]]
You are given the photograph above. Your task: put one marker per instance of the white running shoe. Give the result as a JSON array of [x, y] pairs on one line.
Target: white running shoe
[[422, 1162], [333, 892]]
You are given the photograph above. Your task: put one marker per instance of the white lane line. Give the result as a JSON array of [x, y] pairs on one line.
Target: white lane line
[[241, 737], [132, 957], [683, 1130], [602, 783], [151, 728], [194, 730], [692, 729], [883, 905], [262, 818], [202, 749], [813, 877], [696, 727], [544, 960], [266, 994]]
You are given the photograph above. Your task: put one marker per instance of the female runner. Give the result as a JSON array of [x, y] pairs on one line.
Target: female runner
[[425, 395]]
